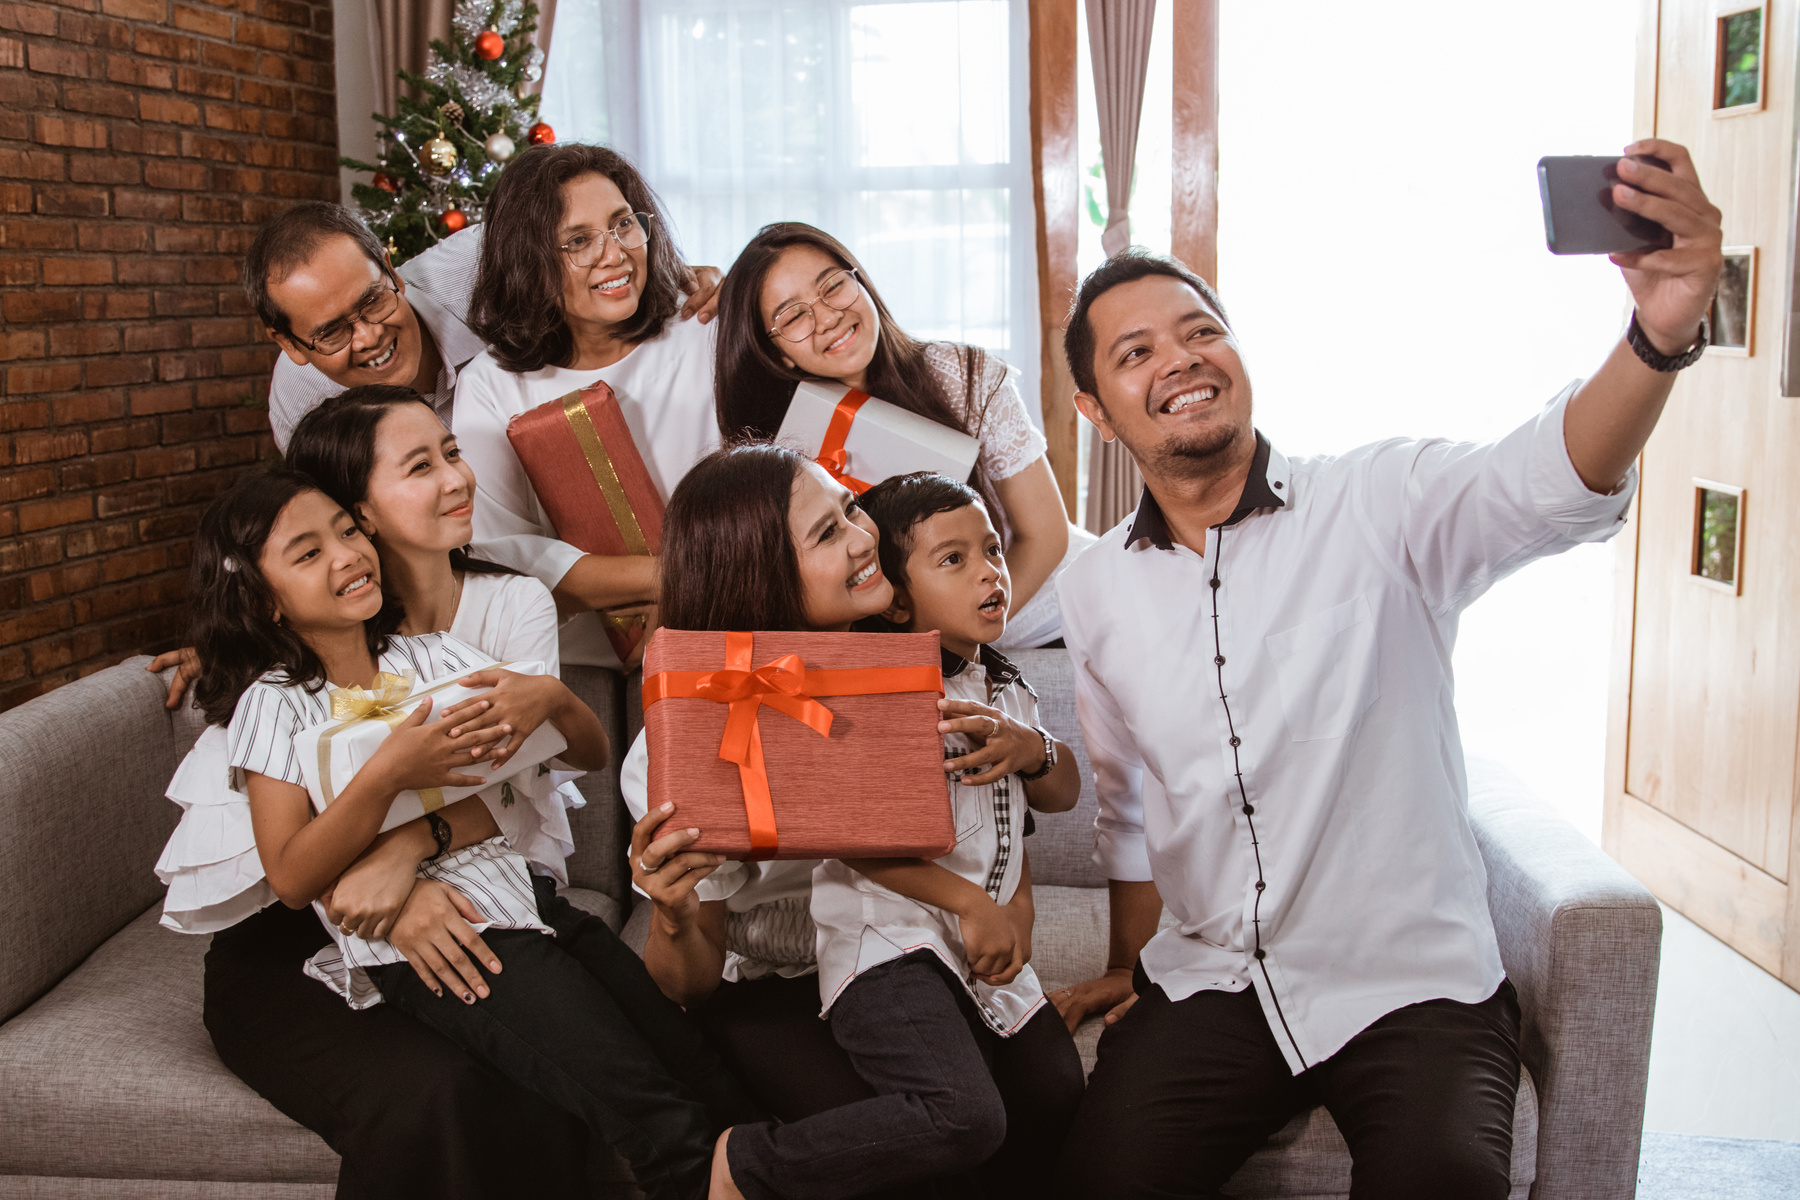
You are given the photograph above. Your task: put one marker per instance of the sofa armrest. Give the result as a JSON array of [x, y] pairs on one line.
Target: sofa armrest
[[1581, 940]]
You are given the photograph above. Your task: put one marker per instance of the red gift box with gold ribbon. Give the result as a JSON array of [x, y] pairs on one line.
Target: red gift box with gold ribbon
[[799, 745], [587, 472]]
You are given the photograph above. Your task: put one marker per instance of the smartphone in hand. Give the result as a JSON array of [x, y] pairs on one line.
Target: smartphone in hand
[[1579, 214]]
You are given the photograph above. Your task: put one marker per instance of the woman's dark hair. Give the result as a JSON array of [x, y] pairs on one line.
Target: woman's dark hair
[[728, 558], [900, 504], [233, 605], [517, 305], [752, 387], [335, 445]]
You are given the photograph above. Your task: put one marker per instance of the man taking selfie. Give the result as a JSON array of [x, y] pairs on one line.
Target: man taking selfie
[[1263, 664]]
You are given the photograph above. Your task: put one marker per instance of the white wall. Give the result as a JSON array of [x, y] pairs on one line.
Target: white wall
[[1381, 251], [354, 49]]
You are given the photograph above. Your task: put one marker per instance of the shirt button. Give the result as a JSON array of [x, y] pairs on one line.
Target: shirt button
[[1249, 810], [1260, 885], [1215, 583], [1235, 740], [1218, 660], [1261, 954]]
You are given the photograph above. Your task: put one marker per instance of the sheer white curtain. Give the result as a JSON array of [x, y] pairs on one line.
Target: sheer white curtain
[[900, 127]]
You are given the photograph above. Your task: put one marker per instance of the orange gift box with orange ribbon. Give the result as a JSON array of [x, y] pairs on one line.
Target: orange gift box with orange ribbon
[[587, 473], [799, 745]]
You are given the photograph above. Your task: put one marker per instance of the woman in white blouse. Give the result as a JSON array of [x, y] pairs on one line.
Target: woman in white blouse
[[579, 281], [798, 305]]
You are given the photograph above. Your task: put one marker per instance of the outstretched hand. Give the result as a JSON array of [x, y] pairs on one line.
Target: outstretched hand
[[1111, 994], [186, 662], [1673, 288]]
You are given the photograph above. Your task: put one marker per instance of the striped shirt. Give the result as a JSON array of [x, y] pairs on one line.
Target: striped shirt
[[495, 878]]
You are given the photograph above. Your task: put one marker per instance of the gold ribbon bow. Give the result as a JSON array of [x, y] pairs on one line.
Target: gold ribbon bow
[[353, 705]]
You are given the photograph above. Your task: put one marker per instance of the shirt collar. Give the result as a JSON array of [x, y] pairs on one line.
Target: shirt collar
[[999, 668], [1265, 487], [456, 343]]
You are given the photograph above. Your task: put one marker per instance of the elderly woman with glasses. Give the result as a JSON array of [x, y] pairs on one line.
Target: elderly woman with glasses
[[797, 305], [579, 281]]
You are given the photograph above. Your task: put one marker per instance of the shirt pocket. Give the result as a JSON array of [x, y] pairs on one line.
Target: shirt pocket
[[1327, 669], [968, 805]]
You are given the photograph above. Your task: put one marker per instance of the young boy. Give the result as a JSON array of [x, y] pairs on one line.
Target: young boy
[[923, 966]]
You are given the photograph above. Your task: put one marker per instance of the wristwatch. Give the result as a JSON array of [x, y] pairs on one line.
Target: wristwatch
[[1655, 359], [440, 833], [1049, 756]]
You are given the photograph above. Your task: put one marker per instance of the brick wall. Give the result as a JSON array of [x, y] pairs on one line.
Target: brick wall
[[141, 143]]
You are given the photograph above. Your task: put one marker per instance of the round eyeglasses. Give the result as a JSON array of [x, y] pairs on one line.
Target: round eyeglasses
[[795, 322], [374, 310], [584, 249]]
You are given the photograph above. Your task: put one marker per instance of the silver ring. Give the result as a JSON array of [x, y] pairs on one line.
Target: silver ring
[[644, 864], [993, 726]]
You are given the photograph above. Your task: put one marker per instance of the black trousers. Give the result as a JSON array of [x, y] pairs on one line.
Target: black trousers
[[1184, 1092], [414, 1116], [577, 1020], [945, 1106]]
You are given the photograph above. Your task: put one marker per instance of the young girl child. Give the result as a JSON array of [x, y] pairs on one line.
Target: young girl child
[[290, 613], [798, 305], [757, 537]]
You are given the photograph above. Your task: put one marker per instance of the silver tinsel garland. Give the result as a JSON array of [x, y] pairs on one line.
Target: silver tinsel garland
[[472, 17]]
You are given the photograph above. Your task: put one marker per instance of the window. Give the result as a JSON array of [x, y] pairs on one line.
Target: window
[[899, 127]]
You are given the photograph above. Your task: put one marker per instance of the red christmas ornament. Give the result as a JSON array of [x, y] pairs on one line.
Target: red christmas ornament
[[455, 220], [386, 184], [490, 44], [540, 134]]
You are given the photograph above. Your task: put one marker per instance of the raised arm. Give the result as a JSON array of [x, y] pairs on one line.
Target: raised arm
[[1610, 418]]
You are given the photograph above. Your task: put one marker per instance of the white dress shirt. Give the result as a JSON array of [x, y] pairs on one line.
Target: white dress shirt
[[439, 283], [665, 389], [1272, 724], [863, 924]]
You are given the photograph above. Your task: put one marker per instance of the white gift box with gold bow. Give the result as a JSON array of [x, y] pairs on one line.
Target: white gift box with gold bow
[[333, 752]]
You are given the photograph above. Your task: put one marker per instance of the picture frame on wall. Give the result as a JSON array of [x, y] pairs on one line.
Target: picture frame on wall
[[1734, 305], [1717, 561], [1740, 58]]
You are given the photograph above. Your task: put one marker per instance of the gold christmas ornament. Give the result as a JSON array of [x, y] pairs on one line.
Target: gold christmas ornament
[[438, 156], [393, 250]]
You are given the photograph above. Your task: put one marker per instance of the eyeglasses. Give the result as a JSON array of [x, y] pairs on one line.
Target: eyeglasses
[[374, 311], [585, 249], [795, 323]]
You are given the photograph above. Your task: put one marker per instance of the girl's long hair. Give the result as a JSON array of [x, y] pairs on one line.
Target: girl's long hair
[[233, 627], [752, 387], [335, 445], [517, 305], [728, 558]]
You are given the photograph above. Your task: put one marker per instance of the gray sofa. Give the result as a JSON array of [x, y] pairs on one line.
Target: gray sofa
[[109, 1086]]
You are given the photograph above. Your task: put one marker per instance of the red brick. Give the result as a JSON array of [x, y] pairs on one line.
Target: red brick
[[12, 52], [93, 472], [241, 59], [73, 272], [101, 539], [135, 139], [63, 377], [136, 10], [166, 45], [48, 514], [168, 108], [16, 344], [89, 406], [171, 367], [61, 581], [265, 95], [51, 446], [15, 197], [148, 269], [23, 414], [39, 235], [232, 452], [307, 46], [139, 72], [285, 11], [36, 623], [18, 272], [145, 401], [212, 270], [86, 168], [56, 131], [41, 306], [166, 525], [267, 37], [96, 98], [187, 175], [202, 21], [26, 18], [237, 120], [59, 200], [25, 485], [119, 236], [146, 206], [214, 84], [221, 331], [119, 370], [154, 464], [190, 426], [92, 31], [73, 341], [254, 361], [123, 306], [60, 60], [25, 92], [31, 164], [136, 498], [199, 487], [183, 239], [166, 335], [184, 304]]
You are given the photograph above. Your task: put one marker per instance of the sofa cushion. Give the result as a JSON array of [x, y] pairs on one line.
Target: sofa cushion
[[112, 1074], [1062, 850], [600, 829]]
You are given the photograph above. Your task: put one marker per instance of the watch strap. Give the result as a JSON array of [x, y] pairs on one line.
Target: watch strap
[[1655, 359], [440, 833], [1049, 756]]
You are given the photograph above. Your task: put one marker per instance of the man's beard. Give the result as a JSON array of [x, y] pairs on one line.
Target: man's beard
[[1199, 454]]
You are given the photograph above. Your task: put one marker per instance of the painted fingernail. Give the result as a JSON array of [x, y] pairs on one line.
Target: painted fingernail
[[468, 999], [439, 992]]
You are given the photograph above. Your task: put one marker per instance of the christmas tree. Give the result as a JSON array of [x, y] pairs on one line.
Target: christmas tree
[[458, 123]]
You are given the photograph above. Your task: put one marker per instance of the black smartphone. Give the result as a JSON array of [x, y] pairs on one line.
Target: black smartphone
[[1579, 214]]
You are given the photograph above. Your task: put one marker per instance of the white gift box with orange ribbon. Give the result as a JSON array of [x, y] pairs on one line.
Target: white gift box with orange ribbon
[[862, 440], [333, 752]]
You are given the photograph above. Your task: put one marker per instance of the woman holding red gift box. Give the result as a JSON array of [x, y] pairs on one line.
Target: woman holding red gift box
[[580, 283], [798, 305]]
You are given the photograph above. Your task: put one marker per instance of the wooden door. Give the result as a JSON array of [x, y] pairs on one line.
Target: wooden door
[[1706, 700]]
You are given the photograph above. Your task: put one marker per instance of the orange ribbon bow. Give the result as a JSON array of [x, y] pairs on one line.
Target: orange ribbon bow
[[786, 686], [832, 455]]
